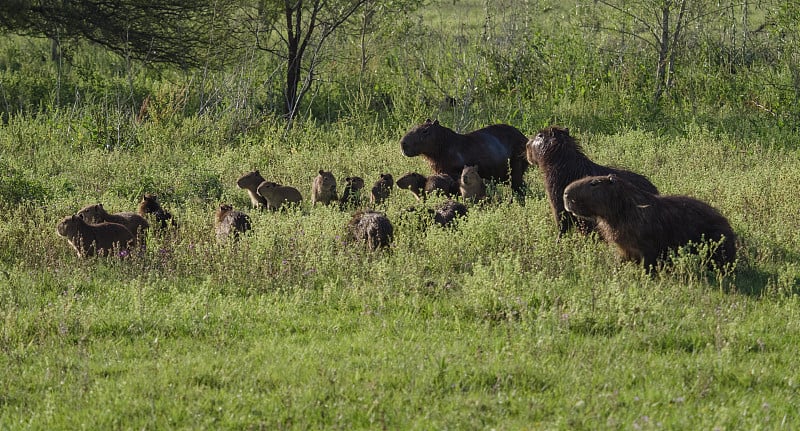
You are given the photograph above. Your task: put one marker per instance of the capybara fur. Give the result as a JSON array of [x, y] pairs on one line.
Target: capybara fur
[[278, 196], [230, 223], [250, 182], [372, 228], [561, 161], [644, 226], [442, 183], [381, 189], [323, 190], [151, 207], [498, 150], [472, 187], [95, 239], [136, 224], [351, 195], [448, 211], [413, 182]]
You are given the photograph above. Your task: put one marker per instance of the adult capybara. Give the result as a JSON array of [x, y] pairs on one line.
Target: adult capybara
[[151, 207], [442, 183], [372, 228], [90, 239], [472, 187], [323, 190], [498, 150], [250, 182], [230, 223], [561, 160], [351, 195], [413, 182], [278, 196], [136, 224], [381, 189], [645, 226]]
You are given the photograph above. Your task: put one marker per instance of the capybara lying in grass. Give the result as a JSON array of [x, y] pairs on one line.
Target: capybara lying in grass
[[448, 211], [150, 207], [372, 228], [230, 223], [498, 151], [90, 239], [644, 226], [136, 224], [323, 190], [381, 189], [250, 182], [278, 196], [561, 160]]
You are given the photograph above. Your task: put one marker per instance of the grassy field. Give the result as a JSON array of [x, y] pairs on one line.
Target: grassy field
[[490, 325]]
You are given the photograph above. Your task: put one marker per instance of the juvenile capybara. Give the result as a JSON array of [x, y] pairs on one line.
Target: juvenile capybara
[[372, 228], [278, 196], [645, 226], [230, 223], [472, 187], [561, 160], [448, 211], [351, 195], [413, 182], [90, 239], [381, 189], [498, 150], [442, 183], [250, 182], [323, 190], [151, 207], [136, 224]]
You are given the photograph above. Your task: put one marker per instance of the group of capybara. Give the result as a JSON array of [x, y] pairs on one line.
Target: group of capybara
[[623, 207]]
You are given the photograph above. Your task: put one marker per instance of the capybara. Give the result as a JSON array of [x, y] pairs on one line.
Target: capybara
[[351, 195], [381, 189], [413, 182], [448, 211], [561, 160], [645, 226], [442, 183], [151, 207], [498, 150], [90, 239], [323, 190], [136, 224], [372, 228], [278, 196], [230, 223], [472, 187], [250, 182]]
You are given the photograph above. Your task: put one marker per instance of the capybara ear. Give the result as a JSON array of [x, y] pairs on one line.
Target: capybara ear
[[612, 178], [321, 171], [256, 171], [427, 120], [435, 122]]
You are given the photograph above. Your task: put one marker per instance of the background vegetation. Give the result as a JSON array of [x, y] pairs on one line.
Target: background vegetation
[[490, 325]]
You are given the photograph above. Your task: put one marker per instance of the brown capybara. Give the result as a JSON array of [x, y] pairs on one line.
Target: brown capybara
[[250, 182], [561, 160], [151, 207], [472, 187], [279, 196], [413, 182], [136, 224], [442, 183], [90, 239], [498, 150], [372, 228], [351, 195], [448, 211], [646, 226], [230, 223], [323, 190], [381, 189]]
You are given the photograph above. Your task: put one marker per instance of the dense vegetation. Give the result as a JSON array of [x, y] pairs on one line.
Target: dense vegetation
[[492, 324]]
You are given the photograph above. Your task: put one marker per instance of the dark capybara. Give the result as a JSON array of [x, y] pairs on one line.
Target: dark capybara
[[448, 211], [351, 195], [230, 223], [372, 228], [561, 160], [381, 189], [413, 182], [90, 239], [442, 183], [645, 226], [151, 207]]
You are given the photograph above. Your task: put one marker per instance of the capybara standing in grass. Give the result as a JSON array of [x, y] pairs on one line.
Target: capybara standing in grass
[[472, 186], [413, 182], [381, 189], [250, 182], [561, 160], [151, 207], [498, 150], [230, 223], [351, 195], [136, 224], [372, 228], [90, 239], [323, 190], [645, 226], [278, 196]]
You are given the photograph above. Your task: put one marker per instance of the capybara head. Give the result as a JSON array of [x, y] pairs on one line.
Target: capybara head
[[470, 176], [250, 180], [93, 213], [548, 142], [355, 183], [222, 211], [68, 227], [326, 181], [149, 204], [412, 181], [422, 139], [598, 196]]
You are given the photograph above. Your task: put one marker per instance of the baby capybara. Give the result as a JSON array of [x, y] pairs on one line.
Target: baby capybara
[[351, 195], [381, 189], [472, 187], [448, 211], [372, 228], [561, 160], [413, 182], [323, 190], [151, 207], [230, 223], [442, 183], [250, 182], [90, 239], [279, 196], [645, 226]]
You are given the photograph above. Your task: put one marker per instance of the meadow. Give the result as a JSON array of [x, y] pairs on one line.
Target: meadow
[[490, 325]]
